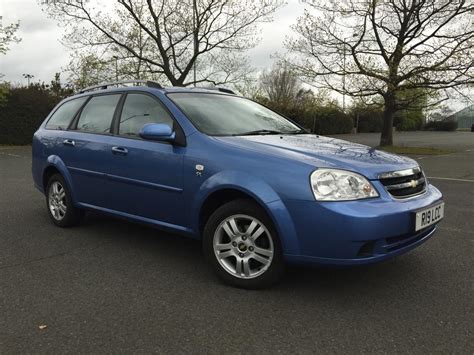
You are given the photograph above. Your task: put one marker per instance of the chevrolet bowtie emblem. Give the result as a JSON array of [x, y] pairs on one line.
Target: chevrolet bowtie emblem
[[413, 183]]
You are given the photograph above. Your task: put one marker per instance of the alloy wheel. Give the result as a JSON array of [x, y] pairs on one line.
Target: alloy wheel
[[57, 200], [243, 246]]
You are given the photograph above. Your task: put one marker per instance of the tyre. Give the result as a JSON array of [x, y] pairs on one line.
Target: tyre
[[242, 246], [59, 203]]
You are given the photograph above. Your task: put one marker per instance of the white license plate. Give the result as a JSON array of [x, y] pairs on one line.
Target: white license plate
[[429, 216]]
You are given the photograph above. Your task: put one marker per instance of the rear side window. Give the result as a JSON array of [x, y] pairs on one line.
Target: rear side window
[[96, 116], [63, 116], [138, 110]]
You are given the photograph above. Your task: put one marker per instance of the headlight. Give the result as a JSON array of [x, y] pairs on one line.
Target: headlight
[[340, 185]]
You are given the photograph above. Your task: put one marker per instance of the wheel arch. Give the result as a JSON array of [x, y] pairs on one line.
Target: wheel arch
[[226, 187], [47, 173], [219, 198], [55, 165]]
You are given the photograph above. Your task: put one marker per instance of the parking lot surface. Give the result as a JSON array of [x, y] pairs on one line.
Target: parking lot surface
[[112, 286]]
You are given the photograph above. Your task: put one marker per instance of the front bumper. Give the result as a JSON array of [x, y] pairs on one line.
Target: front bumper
[[357, 232]]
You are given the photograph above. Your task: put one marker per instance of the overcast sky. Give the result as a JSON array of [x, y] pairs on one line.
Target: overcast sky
[[41, 54]]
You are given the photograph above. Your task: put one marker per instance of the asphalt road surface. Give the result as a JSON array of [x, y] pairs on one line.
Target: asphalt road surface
[[112, 286]]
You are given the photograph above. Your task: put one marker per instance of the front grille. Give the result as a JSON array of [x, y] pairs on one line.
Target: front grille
[[404, 183]]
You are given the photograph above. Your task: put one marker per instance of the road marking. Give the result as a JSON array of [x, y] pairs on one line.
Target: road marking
[[435, 156], [11, 155], [5, 147], [456, 230], [450, 179]]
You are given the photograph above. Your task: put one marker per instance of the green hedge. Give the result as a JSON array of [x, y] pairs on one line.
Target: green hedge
[[408, 120], [370, 121], [331, 120], [325, 120], [22, 112], [442, 125]]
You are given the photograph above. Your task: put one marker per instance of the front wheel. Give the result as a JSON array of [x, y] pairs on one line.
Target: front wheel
[[242, 246]]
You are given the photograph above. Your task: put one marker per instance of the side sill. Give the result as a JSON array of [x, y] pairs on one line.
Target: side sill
[[132, 217]]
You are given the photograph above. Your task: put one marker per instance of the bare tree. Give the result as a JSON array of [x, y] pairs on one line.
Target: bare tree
[[173, 39], [280, 85], [87, 69], [7, 35], [389, 48]]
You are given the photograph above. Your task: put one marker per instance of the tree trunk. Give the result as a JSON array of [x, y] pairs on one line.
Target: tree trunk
[[386, 138]]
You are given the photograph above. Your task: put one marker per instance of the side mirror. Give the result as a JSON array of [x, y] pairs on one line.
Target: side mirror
[[157, 132]]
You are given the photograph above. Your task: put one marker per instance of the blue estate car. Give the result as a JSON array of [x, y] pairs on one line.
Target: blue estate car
[[254, 186]]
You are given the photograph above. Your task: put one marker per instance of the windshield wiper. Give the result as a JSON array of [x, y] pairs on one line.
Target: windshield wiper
[[297, 131], [270, 131], [258, 132]]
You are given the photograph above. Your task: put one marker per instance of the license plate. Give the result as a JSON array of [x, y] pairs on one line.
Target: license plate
[[429, 216]]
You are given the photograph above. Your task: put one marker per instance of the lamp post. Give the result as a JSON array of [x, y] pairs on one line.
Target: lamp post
[[194, 39], [344, 78], [344, 71], [116, 67], [28, 77]]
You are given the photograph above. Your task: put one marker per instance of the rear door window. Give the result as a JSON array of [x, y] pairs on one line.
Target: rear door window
[[140, 109], [63, 116], [97, 115]]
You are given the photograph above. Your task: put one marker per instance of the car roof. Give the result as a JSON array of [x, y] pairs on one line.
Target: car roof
[[148, 86]]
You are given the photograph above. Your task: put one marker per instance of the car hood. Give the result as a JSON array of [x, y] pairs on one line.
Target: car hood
[[322, 151]]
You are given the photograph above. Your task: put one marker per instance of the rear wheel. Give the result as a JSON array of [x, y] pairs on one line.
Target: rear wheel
[[59, 203], [241, 244]]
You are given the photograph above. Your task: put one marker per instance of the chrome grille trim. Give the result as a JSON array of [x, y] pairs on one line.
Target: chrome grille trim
[[404, 184], [400, 173]]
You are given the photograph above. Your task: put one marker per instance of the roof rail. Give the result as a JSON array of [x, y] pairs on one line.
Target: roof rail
[[227, 91], [149, 83]]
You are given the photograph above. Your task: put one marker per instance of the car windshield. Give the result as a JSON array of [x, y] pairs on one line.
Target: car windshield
[[225, 115]]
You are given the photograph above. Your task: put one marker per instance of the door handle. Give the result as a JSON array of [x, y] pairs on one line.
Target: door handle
[[119, 150], [69, 142]]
